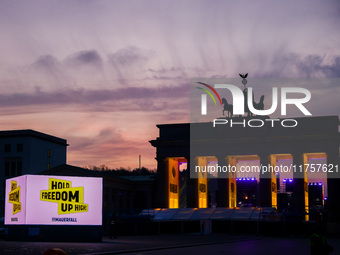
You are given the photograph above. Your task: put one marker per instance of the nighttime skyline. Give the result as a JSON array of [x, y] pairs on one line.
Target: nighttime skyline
[[102, 74]]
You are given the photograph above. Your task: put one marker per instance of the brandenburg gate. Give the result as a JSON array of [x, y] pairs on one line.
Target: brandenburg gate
[[312, 138]]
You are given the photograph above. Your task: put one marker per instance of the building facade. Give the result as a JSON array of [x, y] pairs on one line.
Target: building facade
[[28, 152]]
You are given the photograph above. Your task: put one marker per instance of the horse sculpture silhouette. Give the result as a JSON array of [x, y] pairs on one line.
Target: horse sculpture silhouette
[[227, 107], [257, 106]]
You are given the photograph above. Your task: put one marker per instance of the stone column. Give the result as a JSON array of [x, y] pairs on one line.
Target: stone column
[[172, 165], [162, 180], [202, 184], [265, 182], [192, 188], [232, 188], [300, 185], [273, 181], [222, 196], [333, 199]]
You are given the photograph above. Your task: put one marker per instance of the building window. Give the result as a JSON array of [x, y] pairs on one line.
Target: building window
[[7, 148], [20, 147], [13, 167], [7, 168], [48, 165], [19, 168], [48, 153]]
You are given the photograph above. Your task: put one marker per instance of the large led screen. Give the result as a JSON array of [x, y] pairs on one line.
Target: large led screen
[[53, 200]]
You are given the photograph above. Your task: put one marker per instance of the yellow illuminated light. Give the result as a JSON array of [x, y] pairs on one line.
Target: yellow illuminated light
[[305, 184], [202, 183], [273, 182], [173, 183], [232, 183]]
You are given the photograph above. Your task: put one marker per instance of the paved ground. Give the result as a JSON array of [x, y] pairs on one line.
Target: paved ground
[[267, 246], [174, 244]]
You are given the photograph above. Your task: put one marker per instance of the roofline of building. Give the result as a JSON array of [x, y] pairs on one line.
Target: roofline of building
[[249, 117], [172, 124], [83, 172], [32, 133]]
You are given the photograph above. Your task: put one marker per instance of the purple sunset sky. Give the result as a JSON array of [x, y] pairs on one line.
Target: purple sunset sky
[[102, 74]]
